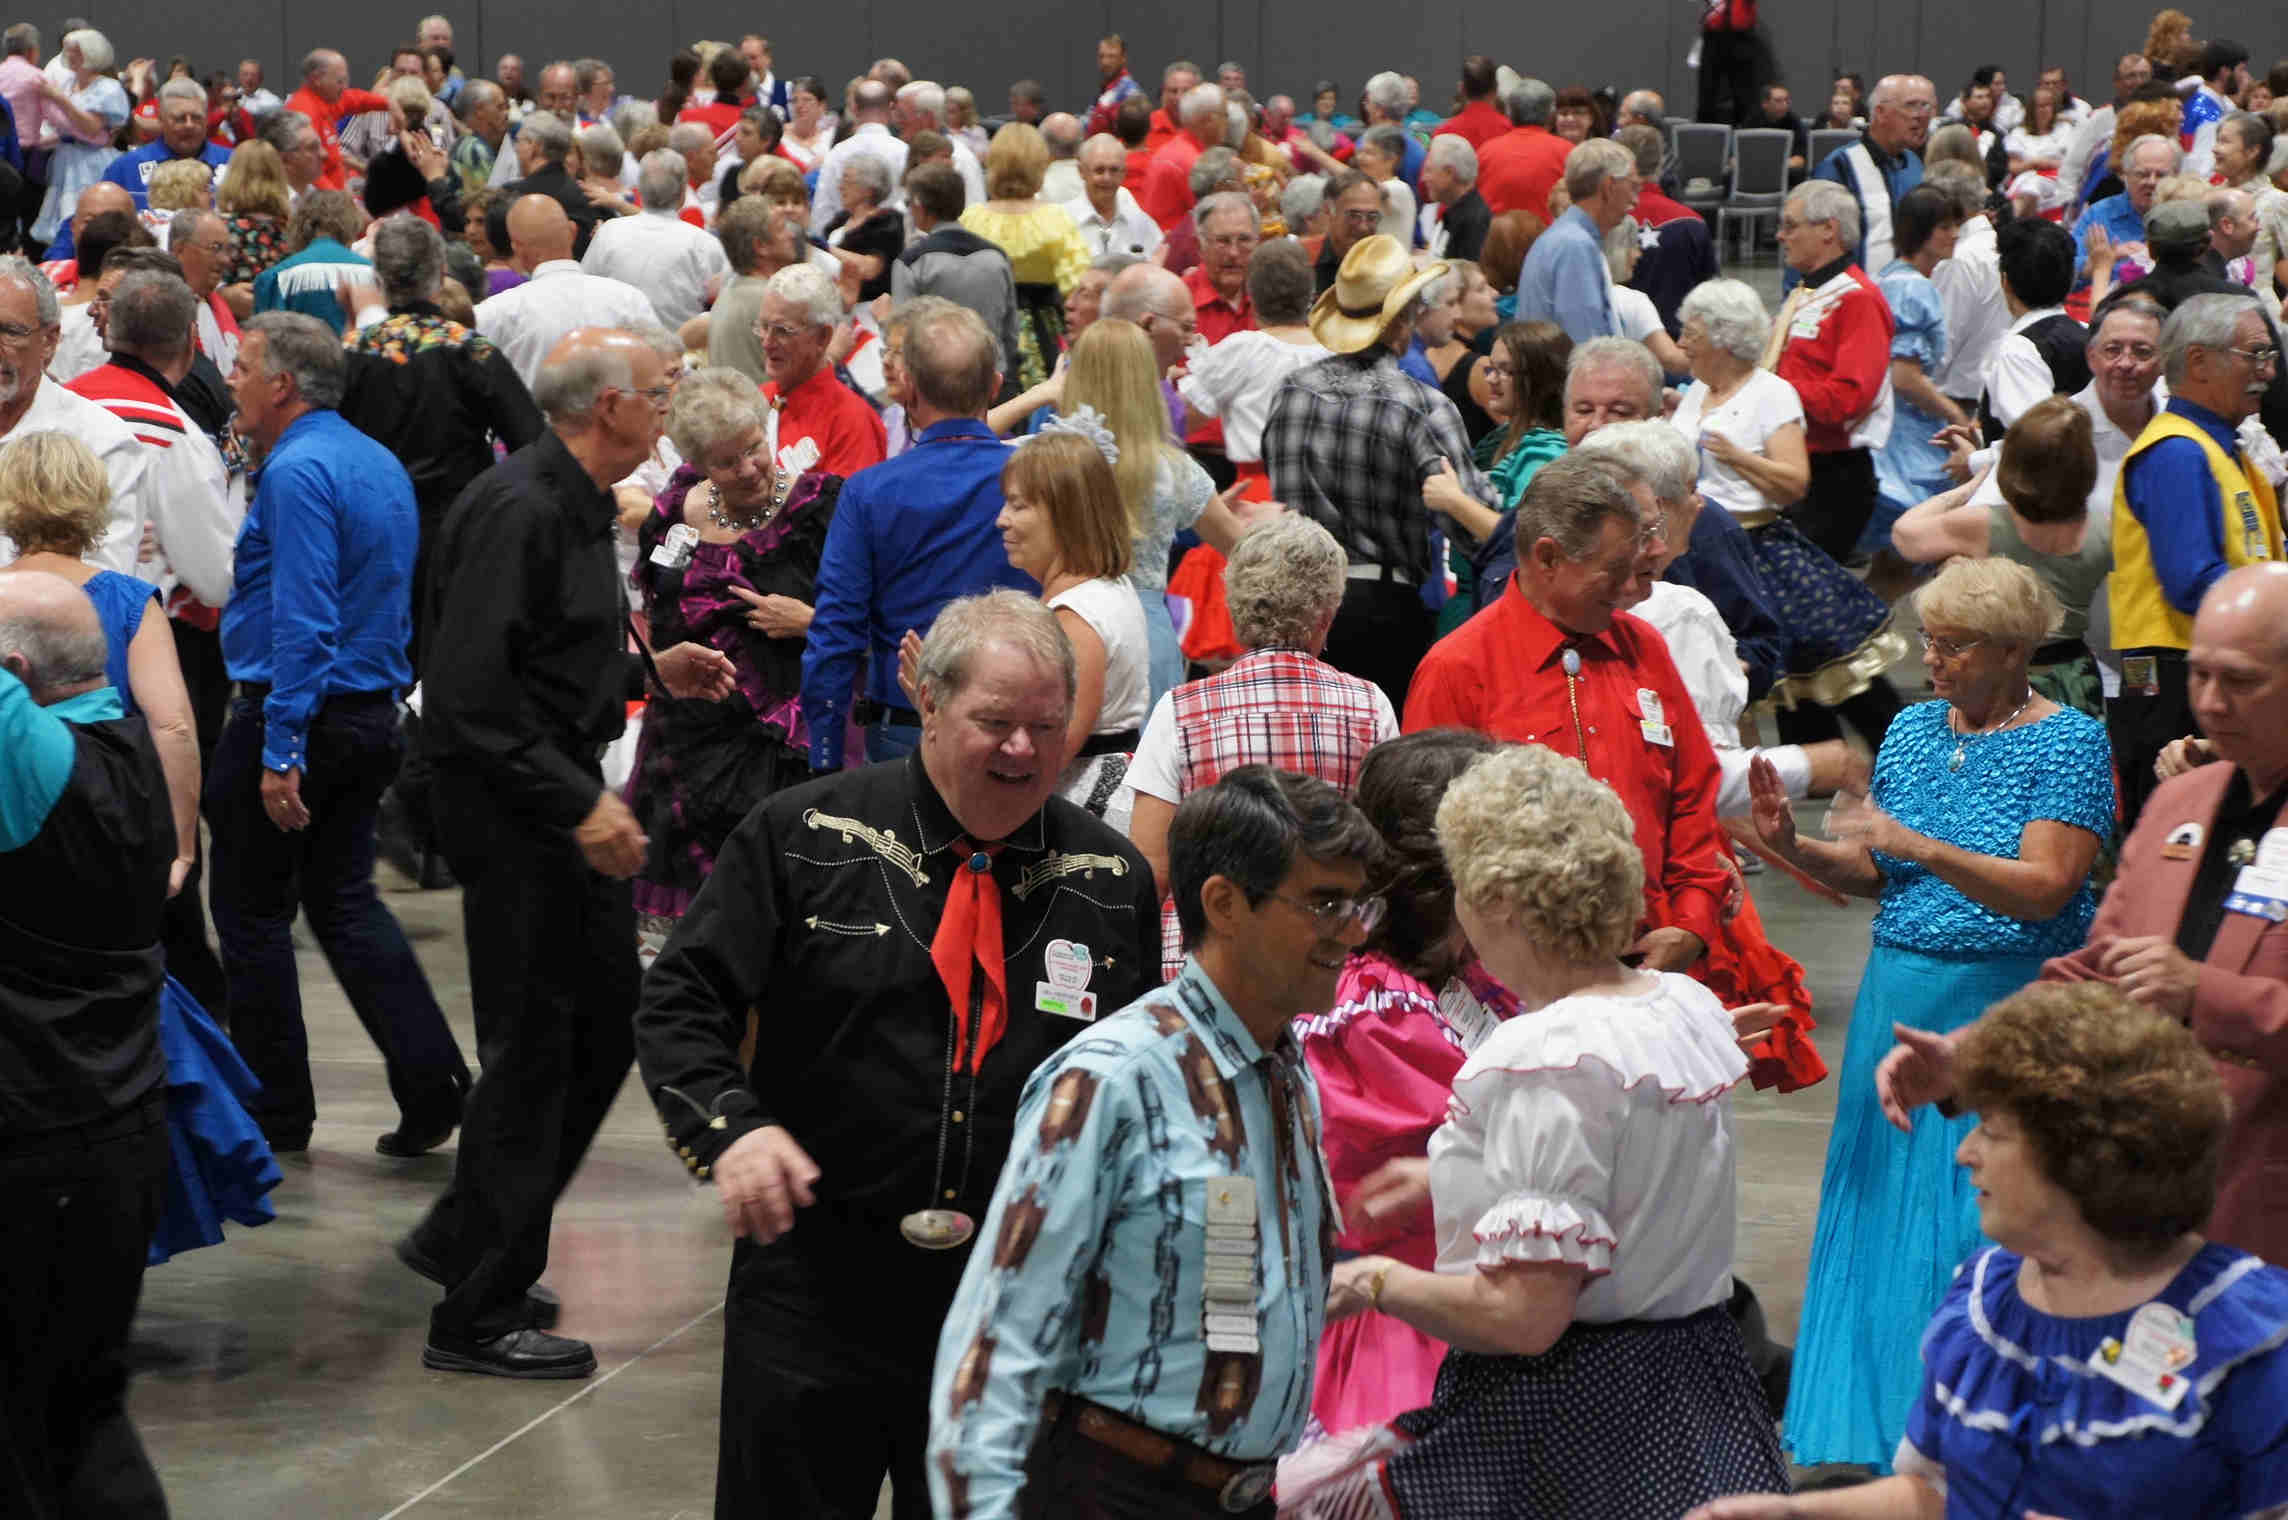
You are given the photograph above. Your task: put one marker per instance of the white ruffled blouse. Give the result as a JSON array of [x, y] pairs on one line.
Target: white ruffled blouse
[[1596, 1131]]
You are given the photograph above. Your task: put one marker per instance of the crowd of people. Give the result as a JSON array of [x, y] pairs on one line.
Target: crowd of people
[[1307, 595]]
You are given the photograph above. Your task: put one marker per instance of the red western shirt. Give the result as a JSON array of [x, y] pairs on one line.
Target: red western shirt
[[1163, 130], [1167, 190], [1838, 353], [1218, 319], [1517, 170], [323, 116], [1481, 121], [1501, 674], [848, 432]]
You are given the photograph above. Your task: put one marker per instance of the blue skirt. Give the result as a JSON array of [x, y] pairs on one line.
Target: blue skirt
[[1896, 1216], [221, 1166]]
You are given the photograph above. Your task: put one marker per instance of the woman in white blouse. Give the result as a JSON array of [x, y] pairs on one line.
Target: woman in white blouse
[[1586, 1199], [810, 130], [1236, 379]]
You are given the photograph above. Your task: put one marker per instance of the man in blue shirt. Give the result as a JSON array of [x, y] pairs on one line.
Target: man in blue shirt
[[2114, 228], [314, 636], [1565, 278], [1170, 1161], [909, 535], [1883, 165], [182, 134]]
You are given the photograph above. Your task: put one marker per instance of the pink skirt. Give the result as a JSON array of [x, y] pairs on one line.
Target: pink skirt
[[1373, 1368]]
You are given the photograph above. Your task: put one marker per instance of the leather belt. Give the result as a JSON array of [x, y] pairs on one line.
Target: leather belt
[[1121, 743], [1238, 1486], [2058, 652], [1362, 571]]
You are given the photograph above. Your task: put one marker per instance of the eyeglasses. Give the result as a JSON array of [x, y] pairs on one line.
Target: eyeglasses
[[1334, 915], [2258, 358], [785, 332], [222, 246], [657, 395], [2143, 353], [1948, 649], [14, 333]]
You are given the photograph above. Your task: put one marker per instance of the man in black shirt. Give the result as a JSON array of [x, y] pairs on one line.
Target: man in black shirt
[[916, 937], [527, 599], [86, 840]]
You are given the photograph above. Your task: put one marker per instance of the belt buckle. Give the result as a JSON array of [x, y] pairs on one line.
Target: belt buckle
[[1247, 1488]]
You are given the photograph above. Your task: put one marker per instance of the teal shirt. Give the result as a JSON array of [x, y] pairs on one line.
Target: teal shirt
[[39, 749]]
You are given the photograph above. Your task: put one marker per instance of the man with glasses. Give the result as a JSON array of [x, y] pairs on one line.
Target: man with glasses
[[1565, 278], [1885, 163], [1228, 230], [1354, 211], [809, 403], [2189, 507], [30, 403], [527, 597]]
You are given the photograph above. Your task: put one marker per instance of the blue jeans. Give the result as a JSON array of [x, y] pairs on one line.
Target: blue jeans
[[261, 875], [891, 741]]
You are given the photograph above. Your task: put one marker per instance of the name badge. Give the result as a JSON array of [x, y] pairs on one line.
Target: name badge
[[2259, 894], [1657, 733], [2154, 1356], [1064, 1002], [1227, 1284], [2183, 843], [2141, 673], [2272, 851], [1648, 704]]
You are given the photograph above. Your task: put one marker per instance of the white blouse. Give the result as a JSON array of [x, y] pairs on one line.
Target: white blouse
[[1237, 380], [1757, 410], [1596, 1131], [1708, 658], [1116, 616]]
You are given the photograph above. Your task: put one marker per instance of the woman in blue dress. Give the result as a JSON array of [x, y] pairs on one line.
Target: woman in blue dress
[[96, 106], [55, 506], [1986, 812], [1910, 468], [2100, 1358]]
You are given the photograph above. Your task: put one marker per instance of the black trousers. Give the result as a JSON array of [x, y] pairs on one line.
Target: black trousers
[[81, 1206], [1838, 502], [2140, 724], [1727, 77], [552, 980], [1380, 634], [1869, 711], [190, 953]]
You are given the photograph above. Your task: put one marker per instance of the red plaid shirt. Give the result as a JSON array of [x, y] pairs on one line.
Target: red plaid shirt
[[1276, 707]]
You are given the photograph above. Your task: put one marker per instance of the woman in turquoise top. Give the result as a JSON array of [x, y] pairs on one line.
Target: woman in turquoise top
[[1525, 394], [1909, 467], [1976, 839]]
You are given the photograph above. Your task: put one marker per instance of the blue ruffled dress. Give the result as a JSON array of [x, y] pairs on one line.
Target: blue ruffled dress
[[1909, 468], [1896, 1214], [2010, 1408]]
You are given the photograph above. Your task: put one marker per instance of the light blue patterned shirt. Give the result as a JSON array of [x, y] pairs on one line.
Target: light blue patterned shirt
[[1090, 1272]]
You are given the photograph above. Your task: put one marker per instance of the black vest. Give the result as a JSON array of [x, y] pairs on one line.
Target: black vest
[[2063, 344], [80, 964]]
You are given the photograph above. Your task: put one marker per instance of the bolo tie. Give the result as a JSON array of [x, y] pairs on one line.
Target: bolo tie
[[1572, 663]]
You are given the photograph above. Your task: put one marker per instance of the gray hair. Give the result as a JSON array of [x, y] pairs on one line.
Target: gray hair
[[1301, 200], [2207, 322], [480, 92], [953, 359], [2153, 140], [1652, 452], [603, 150], [924, 98], [551, 132], [630, 118], [810, 291], [1592, 163], [1387, 91], [1452, 151], [1617, 353], [711, 407], [308, 350], [55, 656], [184, 89], [1569, 501], [663, 341], [23, 271], [409, 259], [568, 389], [1732, 315], [1284, 580], [1211, 169], [871, 172], [1531, 104], [1823, 200], [152, 314], [1963, 187], [1221, 202], [283, 129], [94, 48], [660, 180], [23, 37], [969, 625], [183, 226], [1201, 100], [1235, 124], [1387, 139], [1621, 248]]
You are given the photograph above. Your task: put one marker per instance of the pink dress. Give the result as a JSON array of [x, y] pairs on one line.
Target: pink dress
[[1385, 1056]]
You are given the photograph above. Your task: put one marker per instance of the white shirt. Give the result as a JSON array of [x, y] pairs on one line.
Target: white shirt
[[677, 266], [871, 140], [1115, 615], [1597, 1132], [2095, 131], [1128, 230], [1970, 288], [1758, 409], [1709, 661], [2112, 447], [1634, 310], [1062, 181], [1237, 380], [966, 165], [125, 466], [1397, 212], [79, 348], [2049, 147], [530, 319], [2017, 376], [193, 511]]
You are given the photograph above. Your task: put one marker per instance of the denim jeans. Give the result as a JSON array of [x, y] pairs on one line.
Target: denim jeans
[[262, 875], [891, 741]]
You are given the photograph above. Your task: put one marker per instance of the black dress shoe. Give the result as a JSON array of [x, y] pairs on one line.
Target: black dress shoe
[[542, 1308], [405, 1142], [518, 1354]]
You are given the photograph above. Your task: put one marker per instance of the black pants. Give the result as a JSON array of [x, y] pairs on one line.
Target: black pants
[[2140, 724], [552, 979], [1727, 77], [183, 931], [1071, 1477], [1839, 501], [1380, 635], [81, 1206], [1869, 711], [263, 873]]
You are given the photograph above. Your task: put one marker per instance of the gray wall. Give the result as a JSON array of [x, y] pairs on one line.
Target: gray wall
[[1286, 44]]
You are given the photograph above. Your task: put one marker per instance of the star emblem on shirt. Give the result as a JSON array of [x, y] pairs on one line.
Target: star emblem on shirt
[[1648, 238]]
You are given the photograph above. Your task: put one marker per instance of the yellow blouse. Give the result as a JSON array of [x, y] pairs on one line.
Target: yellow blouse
[[1043, 245]]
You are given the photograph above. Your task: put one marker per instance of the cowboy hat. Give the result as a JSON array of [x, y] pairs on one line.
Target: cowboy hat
[[1376, 282]]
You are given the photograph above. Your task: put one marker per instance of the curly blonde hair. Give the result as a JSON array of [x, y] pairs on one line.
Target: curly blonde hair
[[1534, 841], [1996, 599], [180, 184], [54, 496]]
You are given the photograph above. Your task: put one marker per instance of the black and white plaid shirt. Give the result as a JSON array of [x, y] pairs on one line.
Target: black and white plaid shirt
[[1349, 443]]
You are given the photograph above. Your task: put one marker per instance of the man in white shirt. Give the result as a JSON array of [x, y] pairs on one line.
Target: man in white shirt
[[529, 320], [872, 139], [1969, 285], [1061, 130], [2043, 352], [921, 105], [678, 267], [1109, 219], [695, 145], [2096, 129]]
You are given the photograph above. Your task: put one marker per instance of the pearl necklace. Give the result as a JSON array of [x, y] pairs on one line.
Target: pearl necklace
[[1961, 739], [723, 519]]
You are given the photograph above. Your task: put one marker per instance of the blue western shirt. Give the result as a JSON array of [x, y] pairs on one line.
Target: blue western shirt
[[132, 171], [1566, 280], [41, 752], [2173, 494], [321, 599], [1089, 1274], [909, 535], [1899, 175], [2122, 223]]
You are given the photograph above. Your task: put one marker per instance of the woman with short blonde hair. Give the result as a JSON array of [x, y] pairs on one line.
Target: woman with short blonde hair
[[1047, 255]]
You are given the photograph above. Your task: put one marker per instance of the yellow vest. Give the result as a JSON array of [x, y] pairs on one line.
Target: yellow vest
[[2142, 616]]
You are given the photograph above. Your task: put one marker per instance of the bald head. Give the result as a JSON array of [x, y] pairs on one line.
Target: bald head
[[98, 198], [1899, 111], [2236, 672], [1157, 301], [50, 638], [2247, 608], [538, 231], [1061, 130]]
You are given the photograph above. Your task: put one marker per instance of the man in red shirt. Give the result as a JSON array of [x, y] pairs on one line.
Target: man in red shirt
[[1481, 119], [801, 310], [1835, 349], [1167, 191], [1229, 230], [326, 98], [1556, 661], [1517, 170], [1175, 79]]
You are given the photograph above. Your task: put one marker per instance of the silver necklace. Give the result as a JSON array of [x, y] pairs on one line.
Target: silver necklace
[[723, 519], [1962, 740]]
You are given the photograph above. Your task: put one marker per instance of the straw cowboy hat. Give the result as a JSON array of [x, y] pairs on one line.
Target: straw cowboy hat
[[1376, 283]]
